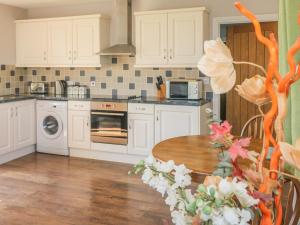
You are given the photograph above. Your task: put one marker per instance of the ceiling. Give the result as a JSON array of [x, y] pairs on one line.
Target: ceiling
[[27, 4]]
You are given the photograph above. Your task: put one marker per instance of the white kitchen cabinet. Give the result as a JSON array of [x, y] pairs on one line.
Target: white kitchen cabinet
[[151, 39], [86, 41], [185, 37], [140, 134], [60, 42], [171, 38], [174, 121], [31, 43], [17, 125], [6, 131], [79, 136], [140, 128], [24, 124]]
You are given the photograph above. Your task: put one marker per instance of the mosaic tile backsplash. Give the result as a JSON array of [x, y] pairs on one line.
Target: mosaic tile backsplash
[[117, 77]]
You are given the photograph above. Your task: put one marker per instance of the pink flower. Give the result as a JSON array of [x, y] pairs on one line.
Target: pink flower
[[220, 130], [238, 148]]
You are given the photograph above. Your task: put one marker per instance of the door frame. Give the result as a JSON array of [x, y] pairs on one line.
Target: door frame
[[217, 22]]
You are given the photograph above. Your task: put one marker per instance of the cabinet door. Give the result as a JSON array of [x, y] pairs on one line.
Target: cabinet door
[[151, 39], [24, 124], [79, 129], [60, 42], [86, 41], [175, 121], [185, 37], [140, 134], [6, 129], [31, 43]]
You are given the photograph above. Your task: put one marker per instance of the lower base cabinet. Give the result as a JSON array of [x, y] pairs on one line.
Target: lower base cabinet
[[79, 125], [18, 125], [140, 134], [174, 121]]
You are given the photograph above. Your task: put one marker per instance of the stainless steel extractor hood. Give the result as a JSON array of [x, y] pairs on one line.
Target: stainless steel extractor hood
[[122, 14]]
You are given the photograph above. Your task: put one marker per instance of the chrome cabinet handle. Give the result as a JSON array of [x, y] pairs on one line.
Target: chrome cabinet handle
[[16, 112], [171, 53]]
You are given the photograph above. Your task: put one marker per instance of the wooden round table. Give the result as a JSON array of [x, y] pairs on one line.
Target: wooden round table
[[195, 152]]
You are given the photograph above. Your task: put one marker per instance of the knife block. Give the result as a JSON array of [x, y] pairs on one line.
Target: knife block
[[161, 94]]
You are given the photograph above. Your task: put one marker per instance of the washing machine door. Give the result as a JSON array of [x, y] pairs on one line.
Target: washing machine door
[[52, 126]]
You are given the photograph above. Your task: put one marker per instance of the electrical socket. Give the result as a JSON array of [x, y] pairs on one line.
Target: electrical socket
[[205, 80], [93, 83]]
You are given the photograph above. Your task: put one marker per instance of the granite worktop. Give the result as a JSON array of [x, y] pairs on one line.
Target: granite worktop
[[154, 100], [143, 100]]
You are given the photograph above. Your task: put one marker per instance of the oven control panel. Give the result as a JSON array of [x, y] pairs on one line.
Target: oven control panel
[[109, 106]]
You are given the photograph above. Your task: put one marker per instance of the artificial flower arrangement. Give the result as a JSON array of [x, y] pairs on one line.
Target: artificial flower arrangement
[[221, 199], [232, 195]]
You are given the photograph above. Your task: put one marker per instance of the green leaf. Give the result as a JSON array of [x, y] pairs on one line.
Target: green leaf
[[218, 145], [224, 156], [223, 172], [191, 208], [207, 210], [212, 192], [225, 164], [201, 188]]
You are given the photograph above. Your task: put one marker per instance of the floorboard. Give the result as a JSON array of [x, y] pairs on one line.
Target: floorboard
[[41, 189]]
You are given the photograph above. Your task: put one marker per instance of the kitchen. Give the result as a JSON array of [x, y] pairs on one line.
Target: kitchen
[[100, 80]]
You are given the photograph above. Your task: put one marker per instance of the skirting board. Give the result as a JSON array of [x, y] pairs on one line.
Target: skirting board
[[17, 154], [106, 156]]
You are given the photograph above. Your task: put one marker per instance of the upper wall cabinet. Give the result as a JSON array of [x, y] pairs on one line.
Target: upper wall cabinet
[[171, 38], [59, 42]]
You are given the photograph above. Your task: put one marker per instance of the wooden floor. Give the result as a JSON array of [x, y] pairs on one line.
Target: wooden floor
[[41, 189]]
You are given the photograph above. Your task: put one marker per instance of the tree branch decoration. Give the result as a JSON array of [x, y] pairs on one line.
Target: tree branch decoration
[[232, 194]]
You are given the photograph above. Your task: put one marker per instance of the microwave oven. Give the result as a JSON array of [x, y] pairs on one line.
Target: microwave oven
[[184, 89]]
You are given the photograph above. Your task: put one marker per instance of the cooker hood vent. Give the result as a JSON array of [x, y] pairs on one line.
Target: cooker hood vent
[[123, 16]]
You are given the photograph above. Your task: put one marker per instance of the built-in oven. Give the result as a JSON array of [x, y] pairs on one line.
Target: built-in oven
[[109, 122]]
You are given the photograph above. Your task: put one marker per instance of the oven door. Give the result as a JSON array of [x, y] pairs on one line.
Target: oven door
[[109, 127], [179, 90]]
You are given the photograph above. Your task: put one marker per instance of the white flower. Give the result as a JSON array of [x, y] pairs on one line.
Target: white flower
[[178, 218], [167, 167], [204, 217], [225, 187], [150, 161], [162, 185], [231, 215], [240, 191], [182, 177], [147, 176], [217, 63], [245, 216], [219, 220], [208, 110], [190, 197], [172, 198]]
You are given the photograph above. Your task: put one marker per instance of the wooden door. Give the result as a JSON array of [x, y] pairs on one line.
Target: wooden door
[[31, 42], [6, 131], [24, 124], [185, 37], [151, 39], [175, 121], [86, 42], [60, 42], [244, 46]]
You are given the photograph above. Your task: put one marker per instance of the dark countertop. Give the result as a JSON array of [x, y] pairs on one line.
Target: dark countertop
[[146, 100], [154, 100]]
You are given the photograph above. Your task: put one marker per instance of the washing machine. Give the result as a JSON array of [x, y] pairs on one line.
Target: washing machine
[[52, 127]]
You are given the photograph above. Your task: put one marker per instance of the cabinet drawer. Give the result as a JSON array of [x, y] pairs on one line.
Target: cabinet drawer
[[79, 105], [141, 108]]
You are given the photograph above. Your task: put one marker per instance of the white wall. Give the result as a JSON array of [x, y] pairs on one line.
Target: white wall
[[8, 34]]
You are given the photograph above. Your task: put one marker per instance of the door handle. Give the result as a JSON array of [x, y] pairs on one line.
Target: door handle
[[16, 112], [171, 53]]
